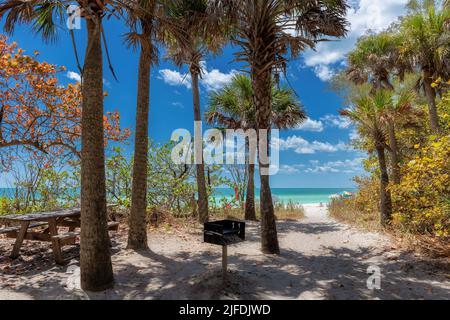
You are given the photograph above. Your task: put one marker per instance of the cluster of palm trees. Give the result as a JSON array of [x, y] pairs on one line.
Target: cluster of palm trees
[[268, 32], [232, 108], [382, 66]]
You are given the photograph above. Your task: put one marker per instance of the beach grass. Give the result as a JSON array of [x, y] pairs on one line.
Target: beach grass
[[344, 210], [288, 211]]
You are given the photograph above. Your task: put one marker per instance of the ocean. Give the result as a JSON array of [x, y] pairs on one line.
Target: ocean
[[295, 195], [282, 195]]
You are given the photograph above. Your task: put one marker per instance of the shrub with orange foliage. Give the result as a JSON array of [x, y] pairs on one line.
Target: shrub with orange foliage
[[37, 112]]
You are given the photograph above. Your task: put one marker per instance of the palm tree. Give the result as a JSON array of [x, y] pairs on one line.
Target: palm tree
[[426, 43], [397, 109], [95, 258], [144, 27], [188, 45], [232, 108], [377, 60], [367, 113], [266, 31]]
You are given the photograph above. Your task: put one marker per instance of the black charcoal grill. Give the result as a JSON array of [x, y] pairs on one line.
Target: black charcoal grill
[[224, 233]]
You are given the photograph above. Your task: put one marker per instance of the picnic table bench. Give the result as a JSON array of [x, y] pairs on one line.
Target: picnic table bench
[[31, 227]]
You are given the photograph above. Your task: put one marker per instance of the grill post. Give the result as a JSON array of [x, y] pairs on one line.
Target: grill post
[[224, 262], [224, 233]]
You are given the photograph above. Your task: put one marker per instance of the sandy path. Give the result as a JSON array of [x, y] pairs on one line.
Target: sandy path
[[320, 259]]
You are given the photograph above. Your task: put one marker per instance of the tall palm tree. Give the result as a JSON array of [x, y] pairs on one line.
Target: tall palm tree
[[267, 31], [95, 258], [188, 45], [232, 108], [367, 113], [144, 27], [426, 42]]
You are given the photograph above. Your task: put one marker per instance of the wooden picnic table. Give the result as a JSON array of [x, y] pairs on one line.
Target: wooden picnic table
[[26, 225], [27, 222]]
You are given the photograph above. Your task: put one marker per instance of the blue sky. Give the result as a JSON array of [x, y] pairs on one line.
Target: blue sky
[[314, 155]]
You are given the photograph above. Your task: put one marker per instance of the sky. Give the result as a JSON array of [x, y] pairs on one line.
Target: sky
[[314, 155]]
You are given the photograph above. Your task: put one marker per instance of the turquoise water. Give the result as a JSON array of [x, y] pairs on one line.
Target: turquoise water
[[296, 195], [284, 195], [6, 192]]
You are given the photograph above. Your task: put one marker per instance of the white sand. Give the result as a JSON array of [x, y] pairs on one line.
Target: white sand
[[320, 259]]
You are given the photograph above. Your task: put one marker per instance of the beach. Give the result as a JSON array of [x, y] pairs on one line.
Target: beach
[[320, 259]]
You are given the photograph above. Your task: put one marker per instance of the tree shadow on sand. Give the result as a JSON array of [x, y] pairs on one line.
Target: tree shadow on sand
[[309, 228], [341, 274], [335, 273]]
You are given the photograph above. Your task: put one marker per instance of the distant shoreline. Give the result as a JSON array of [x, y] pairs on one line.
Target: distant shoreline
[[296, 196], [280, 196]]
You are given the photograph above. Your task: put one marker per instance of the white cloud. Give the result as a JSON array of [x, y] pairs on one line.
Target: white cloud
[[215, 80], [210, 79], [324, 72], [286, 169], [340, 166], [302, 146], [354, 134], [336, 121], [178, 105], [73, 76], [364, 15], [311, 125], [175, 78], [322, 169]]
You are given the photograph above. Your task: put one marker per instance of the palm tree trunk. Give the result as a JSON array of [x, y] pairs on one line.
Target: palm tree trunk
[[137, 234], [262, 104], [394, 153], [250, 213], [385, 195], [95, 257], [203, 215], [430, 95]]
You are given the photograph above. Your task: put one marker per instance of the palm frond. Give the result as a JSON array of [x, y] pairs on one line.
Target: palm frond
[[232, 106], [269, 31]]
